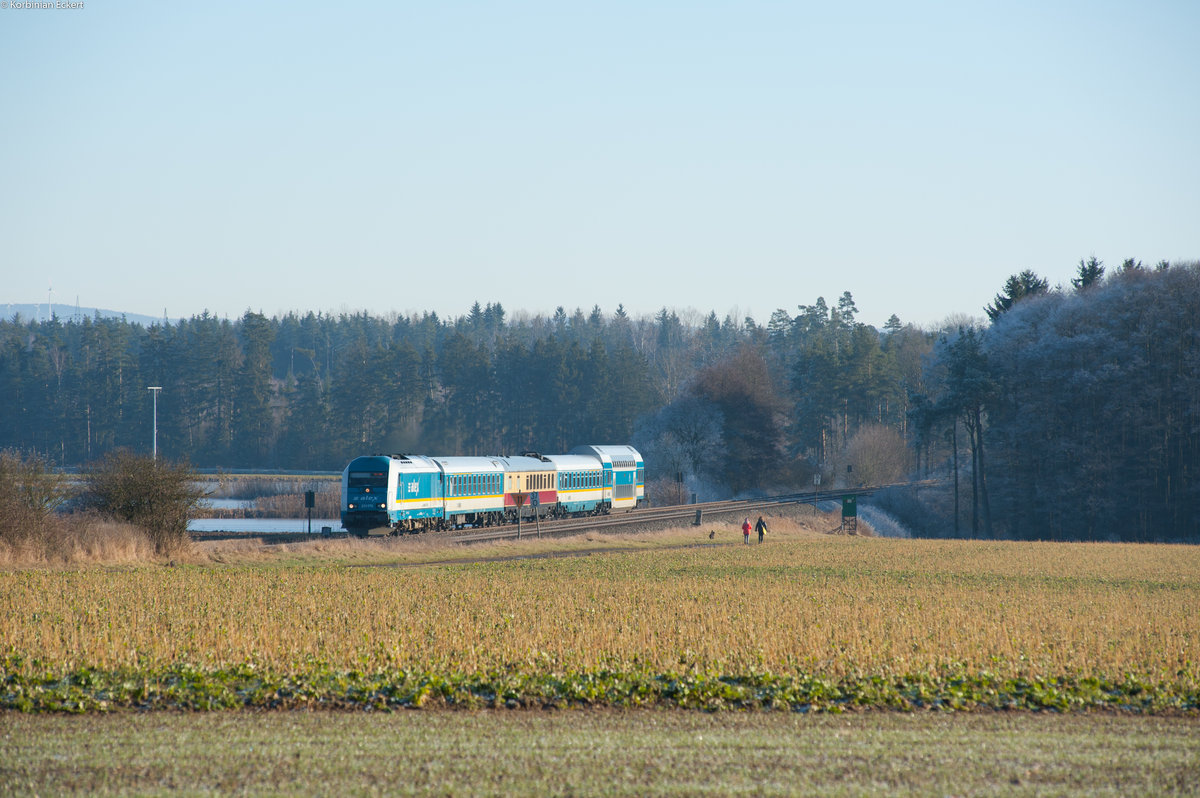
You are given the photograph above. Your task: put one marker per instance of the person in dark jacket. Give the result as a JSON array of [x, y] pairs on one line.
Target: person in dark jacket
[[760, 528]]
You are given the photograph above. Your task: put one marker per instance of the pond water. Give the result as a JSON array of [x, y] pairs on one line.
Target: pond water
[[265, 526], [229, 504]]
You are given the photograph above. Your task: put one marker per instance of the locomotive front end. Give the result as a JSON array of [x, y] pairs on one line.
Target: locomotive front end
[[365, 488]]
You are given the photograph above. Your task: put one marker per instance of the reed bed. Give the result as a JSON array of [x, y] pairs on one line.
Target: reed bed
[[836, 606]]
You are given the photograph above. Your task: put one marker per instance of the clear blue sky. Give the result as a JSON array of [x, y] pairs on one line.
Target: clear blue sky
[[733, 156]]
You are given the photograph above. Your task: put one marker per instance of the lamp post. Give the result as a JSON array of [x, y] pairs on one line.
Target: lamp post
[[155, 389]]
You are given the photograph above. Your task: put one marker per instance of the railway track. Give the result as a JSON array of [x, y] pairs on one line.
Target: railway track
[[685, 513]]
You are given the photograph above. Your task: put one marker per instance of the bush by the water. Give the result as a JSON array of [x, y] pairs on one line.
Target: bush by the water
[[156, 496]]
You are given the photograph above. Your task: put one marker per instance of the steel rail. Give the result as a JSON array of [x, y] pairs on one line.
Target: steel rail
[[655, 515]]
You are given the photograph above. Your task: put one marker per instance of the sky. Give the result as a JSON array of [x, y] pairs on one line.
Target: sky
[[171, 158]]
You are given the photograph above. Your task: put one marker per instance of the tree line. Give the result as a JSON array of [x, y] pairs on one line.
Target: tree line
[[1069, 413], [311, 391], [1078, 408]]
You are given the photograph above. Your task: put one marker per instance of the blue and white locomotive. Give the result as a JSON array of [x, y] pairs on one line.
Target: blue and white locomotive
[[415, 493]]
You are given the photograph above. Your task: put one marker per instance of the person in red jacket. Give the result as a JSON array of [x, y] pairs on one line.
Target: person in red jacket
[[746, 531]]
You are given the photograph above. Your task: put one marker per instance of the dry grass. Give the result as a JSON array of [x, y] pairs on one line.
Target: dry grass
[[81, 539], [418, 549], [327, 504], [829, 604]]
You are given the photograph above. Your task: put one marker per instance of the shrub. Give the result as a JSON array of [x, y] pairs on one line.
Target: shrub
[[30, 492], [156, 496]]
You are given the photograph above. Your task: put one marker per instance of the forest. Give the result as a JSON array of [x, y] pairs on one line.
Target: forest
[[1068, 413]]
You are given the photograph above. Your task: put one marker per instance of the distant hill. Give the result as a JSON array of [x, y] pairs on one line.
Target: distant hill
[[66, 313]]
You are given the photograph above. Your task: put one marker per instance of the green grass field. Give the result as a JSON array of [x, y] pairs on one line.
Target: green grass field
[[589, 752]]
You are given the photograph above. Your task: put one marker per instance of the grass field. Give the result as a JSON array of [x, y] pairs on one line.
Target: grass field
[[570, 635], [588, 752]]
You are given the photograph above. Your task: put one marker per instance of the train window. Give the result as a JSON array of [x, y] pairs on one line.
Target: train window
[[367, 478]]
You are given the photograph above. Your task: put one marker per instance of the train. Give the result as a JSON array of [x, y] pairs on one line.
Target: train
[[410, 493]]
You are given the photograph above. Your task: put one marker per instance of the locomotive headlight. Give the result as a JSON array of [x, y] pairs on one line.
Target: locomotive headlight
[[350, 506], [382, 506]]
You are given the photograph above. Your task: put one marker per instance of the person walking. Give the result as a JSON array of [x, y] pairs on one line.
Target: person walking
[[760, 528], [746, 531]]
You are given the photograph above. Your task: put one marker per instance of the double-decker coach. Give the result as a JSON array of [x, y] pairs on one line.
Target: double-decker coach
[[625, 474]]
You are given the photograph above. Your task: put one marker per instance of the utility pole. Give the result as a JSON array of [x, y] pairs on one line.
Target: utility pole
[[155, 389]]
